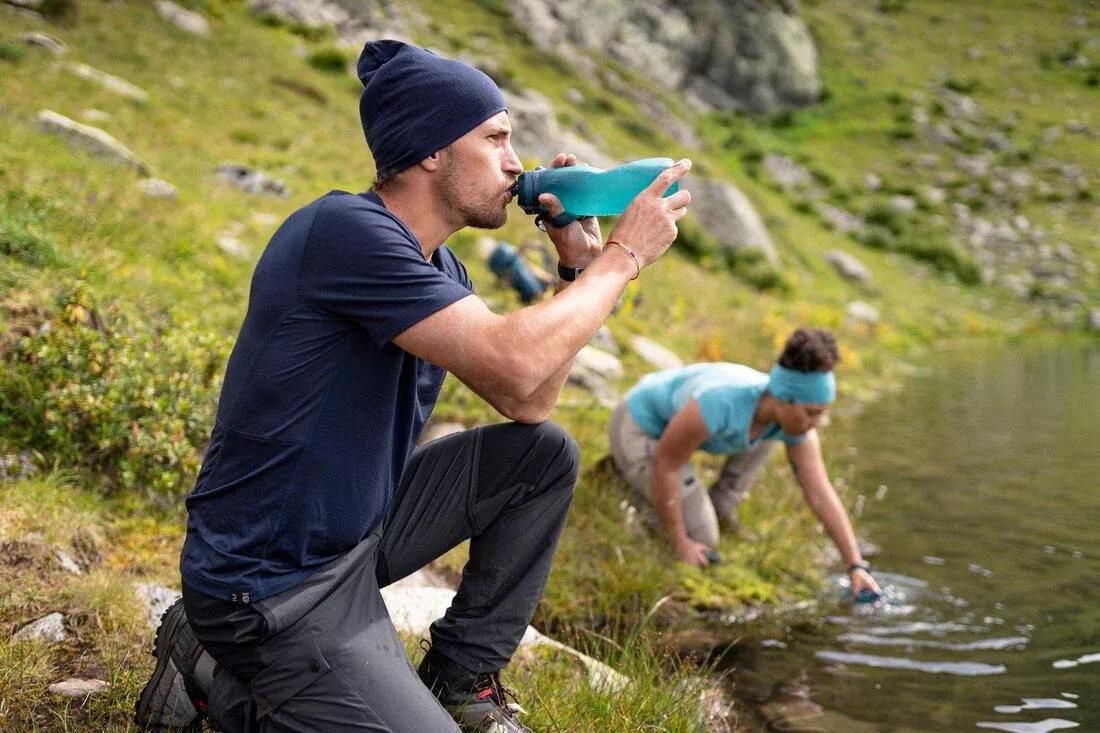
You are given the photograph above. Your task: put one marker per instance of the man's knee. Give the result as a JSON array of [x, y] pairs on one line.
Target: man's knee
[[558, 450]]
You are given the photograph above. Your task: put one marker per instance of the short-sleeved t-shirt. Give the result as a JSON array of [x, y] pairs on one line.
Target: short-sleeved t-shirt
[[726, 394], [319, 411]]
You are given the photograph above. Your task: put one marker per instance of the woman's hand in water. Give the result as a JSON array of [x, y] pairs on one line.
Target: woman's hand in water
[[692, 552], [579, 242], [861, 579]]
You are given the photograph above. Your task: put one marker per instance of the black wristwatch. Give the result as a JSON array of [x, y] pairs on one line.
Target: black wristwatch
[[569, 274], [861, 565]]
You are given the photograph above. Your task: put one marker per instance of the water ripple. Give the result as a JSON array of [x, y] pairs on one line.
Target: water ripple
[[1008, 642], [1043, 726], [963, 669]]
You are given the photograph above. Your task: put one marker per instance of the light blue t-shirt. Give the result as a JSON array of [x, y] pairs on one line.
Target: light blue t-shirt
[[726, 393]]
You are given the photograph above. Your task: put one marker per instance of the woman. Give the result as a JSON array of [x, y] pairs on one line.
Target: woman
[[733, 410]]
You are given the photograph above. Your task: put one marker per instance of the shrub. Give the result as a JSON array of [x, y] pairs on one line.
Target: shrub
[[23, 234], [329, 59], [112, 393], [10, 52]]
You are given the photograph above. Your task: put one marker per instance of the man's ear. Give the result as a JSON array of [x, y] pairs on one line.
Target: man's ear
[[431, 163]]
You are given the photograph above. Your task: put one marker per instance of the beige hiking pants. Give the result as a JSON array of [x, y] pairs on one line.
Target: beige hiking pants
[[633, 450]]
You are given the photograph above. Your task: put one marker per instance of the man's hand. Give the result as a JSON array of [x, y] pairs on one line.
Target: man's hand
[[691, 552], [648, 226], [578, 242], [862, 579]]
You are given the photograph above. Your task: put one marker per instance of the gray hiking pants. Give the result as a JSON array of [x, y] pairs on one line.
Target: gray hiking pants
[[324, 656], [633, 451]]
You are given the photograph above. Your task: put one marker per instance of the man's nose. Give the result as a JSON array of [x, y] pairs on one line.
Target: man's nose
[[512, 165]]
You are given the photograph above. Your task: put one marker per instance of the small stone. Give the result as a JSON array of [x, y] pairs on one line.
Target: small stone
[[110, 82], [157, 599], [88, 138], [862, 312], [95, 115], [155, 188], [903, 204], [44, 40], [974, 53], [657, 355], [848, 266], [48, 628], [927, 160], [185, 20], [843, 221], [437, 430], [605, 340], [79, 688], [786, 174], [599, 362], [67, 562], [1093, 320], [872, 181], [233, 246], [932, 195], [251, 181], [1078, 128], [574, 95]]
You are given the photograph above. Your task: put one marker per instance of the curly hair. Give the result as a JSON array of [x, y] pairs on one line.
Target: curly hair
[[810, 350]]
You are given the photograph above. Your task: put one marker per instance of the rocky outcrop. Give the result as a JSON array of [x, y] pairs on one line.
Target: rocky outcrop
[[729, 216], [536, 133], [726, 54]]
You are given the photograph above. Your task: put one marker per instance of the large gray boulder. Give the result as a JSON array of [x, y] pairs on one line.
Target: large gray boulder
[[536, 133], [728, 54], [727, 213]]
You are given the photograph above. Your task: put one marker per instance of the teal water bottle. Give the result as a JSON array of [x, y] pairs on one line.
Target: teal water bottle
[[587, 191]]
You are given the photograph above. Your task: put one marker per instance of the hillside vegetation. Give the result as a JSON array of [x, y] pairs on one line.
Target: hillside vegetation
[[118, 308]]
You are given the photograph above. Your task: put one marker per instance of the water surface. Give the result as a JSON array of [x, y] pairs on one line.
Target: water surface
[[981, 483]]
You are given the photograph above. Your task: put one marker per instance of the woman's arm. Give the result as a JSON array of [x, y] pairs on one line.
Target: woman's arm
[[683, 435], [809, 469]]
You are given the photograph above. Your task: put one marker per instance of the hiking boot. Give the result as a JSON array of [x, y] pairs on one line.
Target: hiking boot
[[485, 708], [171, 700], [479, 703]]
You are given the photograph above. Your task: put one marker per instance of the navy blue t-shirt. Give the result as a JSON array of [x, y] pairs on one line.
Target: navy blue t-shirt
[[319, 411]]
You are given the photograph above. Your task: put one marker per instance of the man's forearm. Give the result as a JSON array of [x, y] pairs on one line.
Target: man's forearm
[[549, 334]]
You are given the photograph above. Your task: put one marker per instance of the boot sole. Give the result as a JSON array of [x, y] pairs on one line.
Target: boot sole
[[162, 646]]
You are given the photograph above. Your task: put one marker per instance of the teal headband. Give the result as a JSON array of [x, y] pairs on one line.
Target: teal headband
[[791, 385]]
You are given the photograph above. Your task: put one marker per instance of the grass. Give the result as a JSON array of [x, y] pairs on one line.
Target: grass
[[71, 221]]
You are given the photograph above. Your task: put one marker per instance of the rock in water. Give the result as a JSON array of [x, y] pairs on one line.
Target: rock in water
[[89, 138]]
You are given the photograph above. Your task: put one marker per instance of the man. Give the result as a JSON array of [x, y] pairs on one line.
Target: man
[[733, 410], [311, 496]]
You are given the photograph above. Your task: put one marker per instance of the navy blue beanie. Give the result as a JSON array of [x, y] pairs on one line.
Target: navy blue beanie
[[415, 103]]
